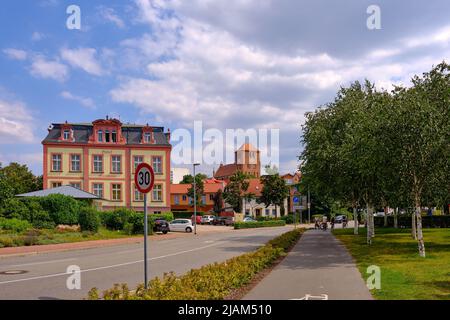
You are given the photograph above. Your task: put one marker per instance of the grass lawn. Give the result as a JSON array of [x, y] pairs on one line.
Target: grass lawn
[[404, 275], [52, 237]]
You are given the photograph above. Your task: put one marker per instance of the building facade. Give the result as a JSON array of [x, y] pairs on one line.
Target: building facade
[[246, 160], [177, 174], [255, 209], [101, 158], [296, 201], [180, 201]]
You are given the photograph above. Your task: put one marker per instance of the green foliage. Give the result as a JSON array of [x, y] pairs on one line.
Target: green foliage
[[19, 178], [115, 220], [15, 208], [62, 209], [211, 282], [14, 225], [236, 189], [218, 201], [189, 179], [168, 216], [259, 224], [185, 214], [89, 219], [274, 191]]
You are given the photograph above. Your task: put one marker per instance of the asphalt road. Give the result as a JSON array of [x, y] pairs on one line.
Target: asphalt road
[[318, 268], [45, 274]]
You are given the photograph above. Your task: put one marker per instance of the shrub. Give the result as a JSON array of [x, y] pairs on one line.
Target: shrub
[[213, 281], [89, 219], [116, 220], [15, 208], [135, 224], [14, 225], [168, 216], [62, 209], [186, 214], [259, 224]]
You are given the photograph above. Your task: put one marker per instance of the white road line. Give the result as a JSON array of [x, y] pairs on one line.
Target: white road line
[[38, 263], [108, 267]]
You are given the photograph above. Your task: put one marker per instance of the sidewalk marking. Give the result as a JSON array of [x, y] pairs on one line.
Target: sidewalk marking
[[311, 297]]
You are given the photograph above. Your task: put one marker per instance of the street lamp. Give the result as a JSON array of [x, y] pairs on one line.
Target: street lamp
[[195, 200]]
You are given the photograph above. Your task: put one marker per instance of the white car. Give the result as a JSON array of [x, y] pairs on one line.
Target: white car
[[208, 219], [249, 219], [183, 225]]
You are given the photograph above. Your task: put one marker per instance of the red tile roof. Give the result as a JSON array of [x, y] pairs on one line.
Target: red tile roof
[[226, 170], [207, 188]]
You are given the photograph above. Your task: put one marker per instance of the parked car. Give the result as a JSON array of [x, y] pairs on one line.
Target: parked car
[[249, 219], [339, 219], [223, 221], [379, 214], [183, 225], [199, 219], [161, 225], [207, 219]]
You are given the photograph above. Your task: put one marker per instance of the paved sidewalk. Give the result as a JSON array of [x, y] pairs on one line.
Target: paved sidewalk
[[318, 267]]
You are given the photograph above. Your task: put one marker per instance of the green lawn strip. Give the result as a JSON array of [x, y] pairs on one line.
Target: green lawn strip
[[404, 275], [48, 236], [210, 282]]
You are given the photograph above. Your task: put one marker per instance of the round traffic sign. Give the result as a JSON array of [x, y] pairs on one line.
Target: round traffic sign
[[144, 178]]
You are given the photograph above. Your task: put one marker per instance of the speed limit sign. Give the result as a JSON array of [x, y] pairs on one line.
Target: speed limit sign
[[144, 178]]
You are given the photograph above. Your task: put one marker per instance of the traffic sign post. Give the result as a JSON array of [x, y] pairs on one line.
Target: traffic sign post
[[144, 178]]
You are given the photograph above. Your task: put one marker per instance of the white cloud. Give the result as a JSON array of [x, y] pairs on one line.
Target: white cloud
[[15, 122], [15, 54], [83, 58], [47, 69], [37, 36], [86, 102], [109, 15]]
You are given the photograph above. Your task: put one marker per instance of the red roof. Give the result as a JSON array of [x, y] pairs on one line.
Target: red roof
[[207, 188], [226, 170], [255, 186]]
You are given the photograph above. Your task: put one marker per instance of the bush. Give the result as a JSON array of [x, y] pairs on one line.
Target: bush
[[89, 219], [168, 216], [42, 220], [213, 281], [62, 209], [135, 224], [14, 225], [186, 214], [116, 220], [259, 224], [15, 208], [405, 221]]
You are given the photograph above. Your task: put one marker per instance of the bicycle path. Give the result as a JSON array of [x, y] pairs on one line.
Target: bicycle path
[[319, 267]]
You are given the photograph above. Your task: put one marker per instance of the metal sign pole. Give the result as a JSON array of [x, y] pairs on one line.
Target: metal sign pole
[[145, 241]]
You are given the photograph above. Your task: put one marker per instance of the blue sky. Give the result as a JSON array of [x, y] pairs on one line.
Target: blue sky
[[232, 64]]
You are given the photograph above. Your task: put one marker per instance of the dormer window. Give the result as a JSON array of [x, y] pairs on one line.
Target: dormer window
[[107, 136], [100, 136], [147, 137], [66, 134], [114, 136]]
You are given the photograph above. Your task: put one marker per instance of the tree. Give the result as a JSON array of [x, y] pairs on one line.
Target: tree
[[274, 191], [199, 188], [17, 179], [218, 201], [236, 189], [189, 179]]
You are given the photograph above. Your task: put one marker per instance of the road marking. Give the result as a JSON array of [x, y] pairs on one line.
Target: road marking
[[44, 262], [311, 297], [108, 267]]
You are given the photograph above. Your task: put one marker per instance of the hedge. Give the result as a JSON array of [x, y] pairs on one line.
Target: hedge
[[89, 219], [62, 209], [259, 224], [405, 221], [187, 214], [210, 282]]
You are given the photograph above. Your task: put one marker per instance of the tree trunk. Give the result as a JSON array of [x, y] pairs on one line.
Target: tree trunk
[[419, 229], [355, 217], [395, 218], [413, 226], [372, 223], [385, 218], [369, 235]]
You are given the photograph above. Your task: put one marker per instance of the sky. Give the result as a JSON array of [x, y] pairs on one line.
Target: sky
[[232, 64]]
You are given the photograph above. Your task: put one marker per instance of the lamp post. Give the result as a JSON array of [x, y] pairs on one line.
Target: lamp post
[[195, 200]]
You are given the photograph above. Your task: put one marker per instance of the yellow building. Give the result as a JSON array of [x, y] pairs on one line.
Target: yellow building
[[101, 157]]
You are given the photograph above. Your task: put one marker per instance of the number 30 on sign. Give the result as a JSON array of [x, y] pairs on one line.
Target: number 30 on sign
[[144, 178]]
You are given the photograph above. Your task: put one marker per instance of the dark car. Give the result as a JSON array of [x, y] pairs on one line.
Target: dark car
[[161, 225], [223, 221]]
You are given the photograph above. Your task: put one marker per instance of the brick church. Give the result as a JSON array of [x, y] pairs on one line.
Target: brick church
[[246, 160]]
